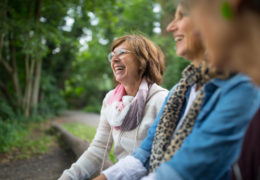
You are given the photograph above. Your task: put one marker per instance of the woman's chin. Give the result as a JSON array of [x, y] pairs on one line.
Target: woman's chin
[[119, 79], [179, 53], [182, 53]]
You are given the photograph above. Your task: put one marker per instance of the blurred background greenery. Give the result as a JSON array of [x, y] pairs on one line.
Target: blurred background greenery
[[53, 54]]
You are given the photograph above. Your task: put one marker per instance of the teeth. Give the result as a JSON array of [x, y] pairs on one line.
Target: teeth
[[178, 39], [119, 68]]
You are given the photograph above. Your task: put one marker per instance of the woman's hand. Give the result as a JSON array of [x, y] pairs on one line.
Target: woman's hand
[[100, 177]]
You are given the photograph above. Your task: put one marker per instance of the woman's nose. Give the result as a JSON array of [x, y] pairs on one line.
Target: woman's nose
[[115, 58], [171, 26]]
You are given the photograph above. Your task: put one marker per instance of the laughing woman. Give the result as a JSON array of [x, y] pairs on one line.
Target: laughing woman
[[129, 109]]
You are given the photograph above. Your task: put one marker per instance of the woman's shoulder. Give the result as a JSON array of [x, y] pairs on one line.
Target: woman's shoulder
[[237, 93], [237, 82], [107, 96], [157, 91]]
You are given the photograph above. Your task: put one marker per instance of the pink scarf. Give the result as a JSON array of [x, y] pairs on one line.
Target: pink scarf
[[134, 115], [117, 96]]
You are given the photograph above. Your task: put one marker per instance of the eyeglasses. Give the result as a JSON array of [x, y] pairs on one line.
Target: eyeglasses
[[118, 53]]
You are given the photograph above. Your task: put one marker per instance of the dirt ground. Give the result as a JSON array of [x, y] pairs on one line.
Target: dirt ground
[[44, 167], [48, 166]]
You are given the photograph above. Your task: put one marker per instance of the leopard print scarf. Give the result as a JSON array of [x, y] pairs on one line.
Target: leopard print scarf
[[164, 146]]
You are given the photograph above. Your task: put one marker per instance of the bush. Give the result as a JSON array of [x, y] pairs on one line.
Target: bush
[[11, 132], [23, 139], [6, 111], [52, 100], [15, 127]]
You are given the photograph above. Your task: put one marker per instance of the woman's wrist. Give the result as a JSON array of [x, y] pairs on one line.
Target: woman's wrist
[[100, 177], [128, 168]]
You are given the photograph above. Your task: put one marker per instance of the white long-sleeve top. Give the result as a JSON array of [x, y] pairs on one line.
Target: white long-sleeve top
[[124, 142]]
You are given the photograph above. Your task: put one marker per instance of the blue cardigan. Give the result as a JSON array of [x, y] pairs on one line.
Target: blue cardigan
[[215, 141]]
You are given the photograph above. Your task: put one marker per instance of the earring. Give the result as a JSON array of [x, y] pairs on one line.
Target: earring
[[226, 10]]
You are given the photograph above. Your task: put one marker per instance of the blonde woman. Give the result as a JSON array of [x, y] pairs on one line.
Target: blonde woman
[[230, 30]]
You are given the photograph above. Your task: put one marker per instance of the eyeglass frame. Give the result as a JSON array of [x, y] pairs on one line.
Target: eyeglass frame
[[118, 53]]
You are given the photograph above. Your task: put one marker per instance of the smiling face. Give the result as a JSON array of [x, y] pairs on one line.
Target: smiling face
[[219, 35], [188, 43], [232, 43], [125, 67]]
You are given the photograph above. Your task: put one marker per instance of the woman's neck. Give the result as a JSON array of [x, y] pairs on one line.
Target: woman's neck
[[132, 87], [196, 60], [196, 63]]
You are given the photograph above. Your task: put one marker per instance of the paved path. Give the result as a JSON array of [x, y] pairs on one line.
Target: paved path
[[91, 119]]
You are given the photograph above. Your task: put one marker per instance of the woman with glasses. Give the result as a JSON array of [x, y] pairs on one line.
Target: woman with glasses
[[129, 109]]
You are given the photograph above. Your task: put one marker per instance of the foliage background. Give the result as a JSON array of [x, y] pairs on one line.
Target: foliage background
[[53, 54]]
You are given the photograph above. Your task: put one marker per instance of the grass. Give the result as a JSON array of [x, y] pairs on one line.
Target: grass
[[85, 132], [80, 130], [37, 141], [28, 141]]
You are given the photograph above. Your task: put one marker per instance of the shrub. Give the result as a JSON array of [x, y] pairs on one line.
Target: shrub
[[11, 132]]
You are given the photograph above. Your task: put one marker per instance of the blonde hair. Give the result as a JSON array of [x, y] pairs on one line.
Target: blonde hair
[[148, 55]]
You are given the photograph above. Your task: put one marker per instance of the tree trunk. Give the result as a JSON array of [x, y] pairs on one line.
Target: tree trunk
[[26, 60], [36, 87], [28, 94], [36, 82], [15, 76]]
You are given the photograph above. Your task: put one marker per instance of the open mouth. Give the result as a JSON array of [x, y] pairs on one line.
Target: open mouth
[[119, 68], [178, 39]]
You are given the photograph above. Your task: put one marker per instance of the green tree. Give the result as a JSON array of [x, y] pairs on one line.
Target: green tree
[[29, 32], [53, 48]]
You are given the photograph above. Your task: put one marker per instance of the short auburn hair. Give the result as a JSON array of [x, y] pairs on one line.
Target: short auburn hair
[[149, 56]]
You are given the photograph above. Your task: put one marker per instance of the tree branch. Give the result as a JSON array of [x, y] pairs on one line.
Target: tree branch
[[6, 65]]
